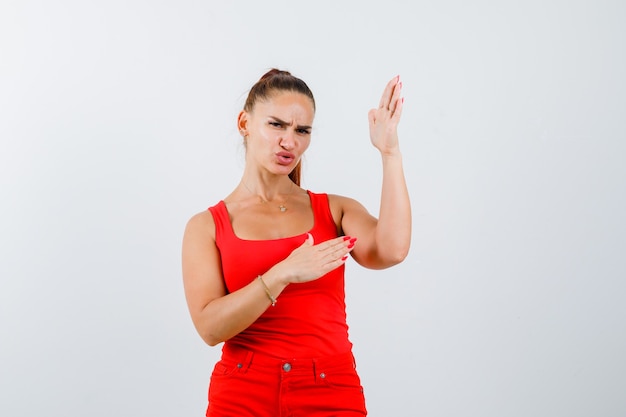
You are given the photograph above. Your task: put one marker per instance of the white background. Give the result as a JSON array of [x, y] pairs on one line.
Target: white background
[[117, 123]]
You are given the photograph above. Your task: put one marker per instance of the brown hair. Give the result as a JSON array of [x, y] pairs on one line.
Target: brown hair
[[273, 81]]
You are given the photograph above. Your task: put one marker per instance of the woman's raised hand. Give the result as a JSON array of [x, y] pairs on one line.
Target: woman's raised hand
[[310, 261], [384, 120]]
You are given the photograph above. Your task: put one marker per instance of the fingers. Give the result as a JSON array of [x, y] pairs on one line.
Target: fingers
[[309, 262], [397, 113], [396, 97], [308, 242], [337, 253], [389, 88], [341, 241], [328, 246], [391, 103], [337, 249], [391, 95]]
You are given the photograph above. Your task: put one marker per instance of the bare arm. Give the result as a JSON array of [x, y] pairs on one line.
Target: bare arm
[[218, 316], [385, 241]]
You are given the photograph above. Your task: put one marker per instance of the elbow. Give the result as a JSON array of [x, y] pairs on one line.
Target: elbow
[[208, 333], [394, 256], [207, 326], [398, 256], [213, 342], [384, 260], [401, 256], [211, 339], [392, 250]]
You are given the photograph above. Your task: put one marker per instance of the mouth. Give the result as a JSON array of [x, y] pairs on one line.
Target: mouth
[[285, 158]]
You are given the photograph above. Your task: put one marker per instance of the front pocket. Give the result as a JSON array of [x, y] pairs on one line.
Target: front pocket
[[342, 379], [224, 369]]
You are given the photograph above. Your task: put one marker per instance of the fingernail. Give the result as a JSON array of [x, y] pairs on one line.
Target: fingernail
[[351, 245], [352, 240], [346, 238], [344, 258]]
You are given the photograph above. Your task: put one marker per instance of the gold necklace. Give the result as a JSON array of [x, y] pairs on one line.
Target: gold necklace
[[281, 207]]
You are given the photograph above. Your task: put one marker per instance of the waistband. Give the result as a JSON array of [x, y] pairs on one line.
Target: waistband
[[246, 358]]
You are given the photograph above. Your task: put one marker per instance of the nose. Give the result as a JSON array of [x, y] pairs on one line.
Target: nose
[[287, 140]]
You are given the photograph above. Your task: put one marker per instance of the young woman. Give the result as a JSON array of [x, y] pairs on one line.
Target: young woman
[[263, 269]]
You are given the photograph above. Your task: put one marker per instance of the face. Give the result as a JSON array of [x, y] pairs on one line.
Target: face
[[278, 131]]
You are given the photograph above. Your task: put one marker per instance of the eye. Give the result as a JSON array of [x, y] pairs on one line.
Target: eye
[[275, 124], [304, 131]]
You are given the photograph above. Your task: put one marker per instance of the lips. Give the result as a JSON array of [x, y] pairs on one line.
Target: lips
[[285, 158]]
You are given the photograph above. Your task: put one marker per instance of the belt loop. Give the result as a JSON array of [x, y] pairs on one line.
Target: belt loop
[[247, 360], [243, 362], [315, 375]]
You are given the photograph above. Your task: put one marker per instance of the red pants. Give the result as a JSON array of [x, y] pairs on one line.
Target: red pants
[[244, 383]]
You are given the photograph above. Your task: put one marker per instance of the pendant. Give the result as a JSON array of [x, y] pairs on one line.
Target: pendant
[[282, 208]]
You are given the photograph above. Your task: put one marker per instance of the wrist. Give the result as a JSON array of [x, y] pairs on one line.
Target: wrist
[[391, 155], [275, 282], [268, 292]]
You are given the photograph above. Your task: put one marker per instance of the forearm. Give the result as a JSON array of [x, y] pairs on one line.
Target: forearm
[[393, 230], [227, 316]]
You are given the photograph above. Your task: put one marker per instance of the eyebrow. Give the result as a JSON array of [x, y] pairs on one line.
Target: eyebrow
[[289, 124]]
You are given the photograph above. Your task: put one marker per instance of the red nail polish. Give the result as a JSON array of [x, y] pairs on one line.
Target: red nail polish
[[344, 258], [346, 238], [352, 240], [351, 245]]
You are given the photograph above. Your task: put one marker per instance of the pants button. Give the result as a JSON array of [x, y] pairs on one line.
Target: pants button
[[287, 367]]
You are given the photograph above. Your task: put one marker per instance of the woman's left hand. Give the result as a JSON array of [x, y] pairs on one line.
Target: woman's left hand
[[384, 120]]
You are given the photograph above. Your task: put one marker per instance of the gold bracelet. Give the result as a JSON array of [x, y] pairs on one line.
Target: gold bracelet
[[267, 291]]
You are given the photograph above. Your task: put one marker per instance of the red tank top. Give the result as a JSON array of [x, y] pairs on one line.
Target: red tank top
[[309, 319]]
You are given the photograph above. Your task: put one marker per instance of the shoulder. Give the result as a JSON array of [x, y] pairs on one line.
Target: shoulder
[[346, 210], [201, 224], [341, 203]]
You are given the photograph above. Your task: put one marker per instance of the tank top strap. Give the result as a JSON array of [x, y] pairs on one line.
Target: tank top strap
[[321, 210], [221, 218]]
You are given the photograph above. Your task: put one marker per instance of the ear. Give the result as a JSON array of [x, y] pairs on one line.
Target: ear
[[242, 123]]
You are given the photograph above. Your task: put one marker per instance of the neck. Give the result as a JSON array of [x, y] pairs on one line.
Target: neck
[[268, 192]]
